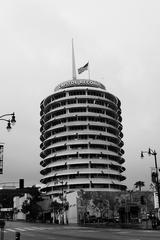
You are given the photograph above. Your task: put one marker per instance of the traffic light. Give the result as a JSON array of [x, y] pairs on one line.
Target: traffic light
[[21, 183], [154, 177], [143, 200]]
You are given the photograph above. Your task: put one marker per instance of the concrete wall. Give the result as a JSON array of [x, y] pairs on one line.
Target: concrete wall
[[72, 211], [17, 205]]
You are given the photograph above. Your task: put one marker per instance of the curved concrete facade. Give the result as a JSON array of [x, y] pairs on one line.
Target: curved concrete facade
[[81, 139]]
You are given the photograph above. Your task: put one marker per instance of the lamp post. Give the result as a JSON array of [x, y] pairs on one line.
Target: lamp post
[[154, 153], [10, 122]]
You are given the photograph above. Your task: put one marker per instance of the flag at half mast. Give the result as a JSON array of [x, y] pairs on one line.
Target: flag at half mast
[[84, 68]]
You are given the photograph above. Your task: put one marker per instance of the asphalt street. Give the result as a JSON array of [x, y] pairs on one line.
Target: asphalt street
[[32, 231]]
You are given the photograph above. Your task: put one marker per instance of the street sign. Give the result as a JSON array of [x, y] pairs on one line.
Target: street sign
[[6, 209], [156, 202], [153, 170]]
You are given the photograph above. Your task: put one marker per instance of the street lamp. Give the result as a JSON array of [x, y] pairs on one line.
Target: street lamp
[[154, 153], [10, 122]]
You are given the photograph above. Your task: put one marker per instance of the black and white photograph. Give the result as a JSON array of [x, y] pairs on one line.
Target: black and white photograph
[[80, 119]]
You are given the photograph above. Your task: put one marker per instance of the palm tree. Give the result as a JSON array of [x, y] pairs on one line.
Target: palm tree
[[139, 184]]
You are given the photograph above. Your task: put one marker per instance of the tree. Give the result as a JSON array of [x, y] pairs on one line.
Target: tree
[[139, 184], [56, 207], [30, 206], [31, 209]]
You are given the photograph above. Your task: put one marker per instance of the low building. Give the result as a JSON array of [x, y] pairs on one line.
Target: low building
[[7, 194], [123, 207]]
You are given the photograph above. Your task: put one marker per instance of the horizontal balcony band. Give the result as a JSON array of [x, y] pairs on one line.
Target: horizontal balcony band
[[85, 161], [78, 169], [82, 123], [109, 187], [68, 98], [73, 156], [50, 99], [69, 114], [82, 151], [72, 138], [84, 181], [58, 192], [80, 128], [78, 145], [46, 162], [84, 105], [80, 141], [82, 114], [66, 113], [87, 171], [65, 133]]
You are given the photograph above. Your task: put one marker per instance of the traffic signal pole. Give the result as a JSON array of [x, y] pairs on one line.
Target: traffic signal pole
[[17, 236], [157, 177], [2, 224]]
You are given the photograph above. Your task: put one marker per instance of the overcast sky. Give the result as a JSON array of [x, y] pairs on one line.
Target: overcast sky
[[121, 40]]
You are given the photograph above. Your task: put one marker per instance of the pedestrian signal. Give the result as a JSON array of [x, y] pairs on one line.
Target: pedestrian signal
[[154, 177]]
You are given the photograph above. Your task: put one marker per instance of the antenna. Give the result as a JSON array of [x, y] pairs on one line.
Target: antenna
[[73, 63]]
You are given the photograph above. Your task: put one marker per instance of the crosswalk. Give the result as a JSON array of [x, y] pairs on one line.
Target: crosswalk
[[52, 228], [24, 229], [34, 228]]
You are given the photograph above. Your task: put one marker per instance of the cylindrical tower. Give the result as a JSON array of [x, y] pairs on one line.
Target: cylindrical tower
[[81, 135]]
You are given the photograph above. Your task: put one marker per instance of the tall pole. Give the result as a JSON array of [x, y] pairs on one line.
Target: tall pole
[[157, 178], [62, 204], [89, 71], [73, 63], [151, 152]]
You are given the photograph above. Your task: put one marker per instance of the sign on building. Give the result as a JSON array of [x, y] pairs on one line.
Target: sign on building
[[156, 202]]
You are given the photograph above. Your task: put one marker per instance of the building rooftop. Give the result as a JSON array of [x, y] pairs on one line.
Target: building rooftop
[[79, 83]]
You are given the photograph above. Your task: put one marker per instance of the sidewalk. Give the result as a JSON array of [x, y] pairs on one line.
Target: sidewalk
[[144, 225]]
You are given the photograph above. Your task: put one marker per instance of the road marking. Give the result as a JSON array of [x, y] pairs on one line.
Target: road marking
[[10, 230], [32, 229], [113, 230], [29, 234], [26, 229], [74, 227], [37, 228], [50, 238], [123, 232], [148, 231], [20, 229], [88, 230], [134, 239]]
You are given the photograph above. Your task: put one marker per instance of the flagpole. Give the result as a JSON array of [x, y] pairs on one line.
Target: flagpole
[[73, 63], [88, 71]]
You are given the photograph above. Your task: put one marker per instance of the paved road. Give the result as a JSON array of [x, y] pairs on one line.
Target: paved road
[[31, 231]]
